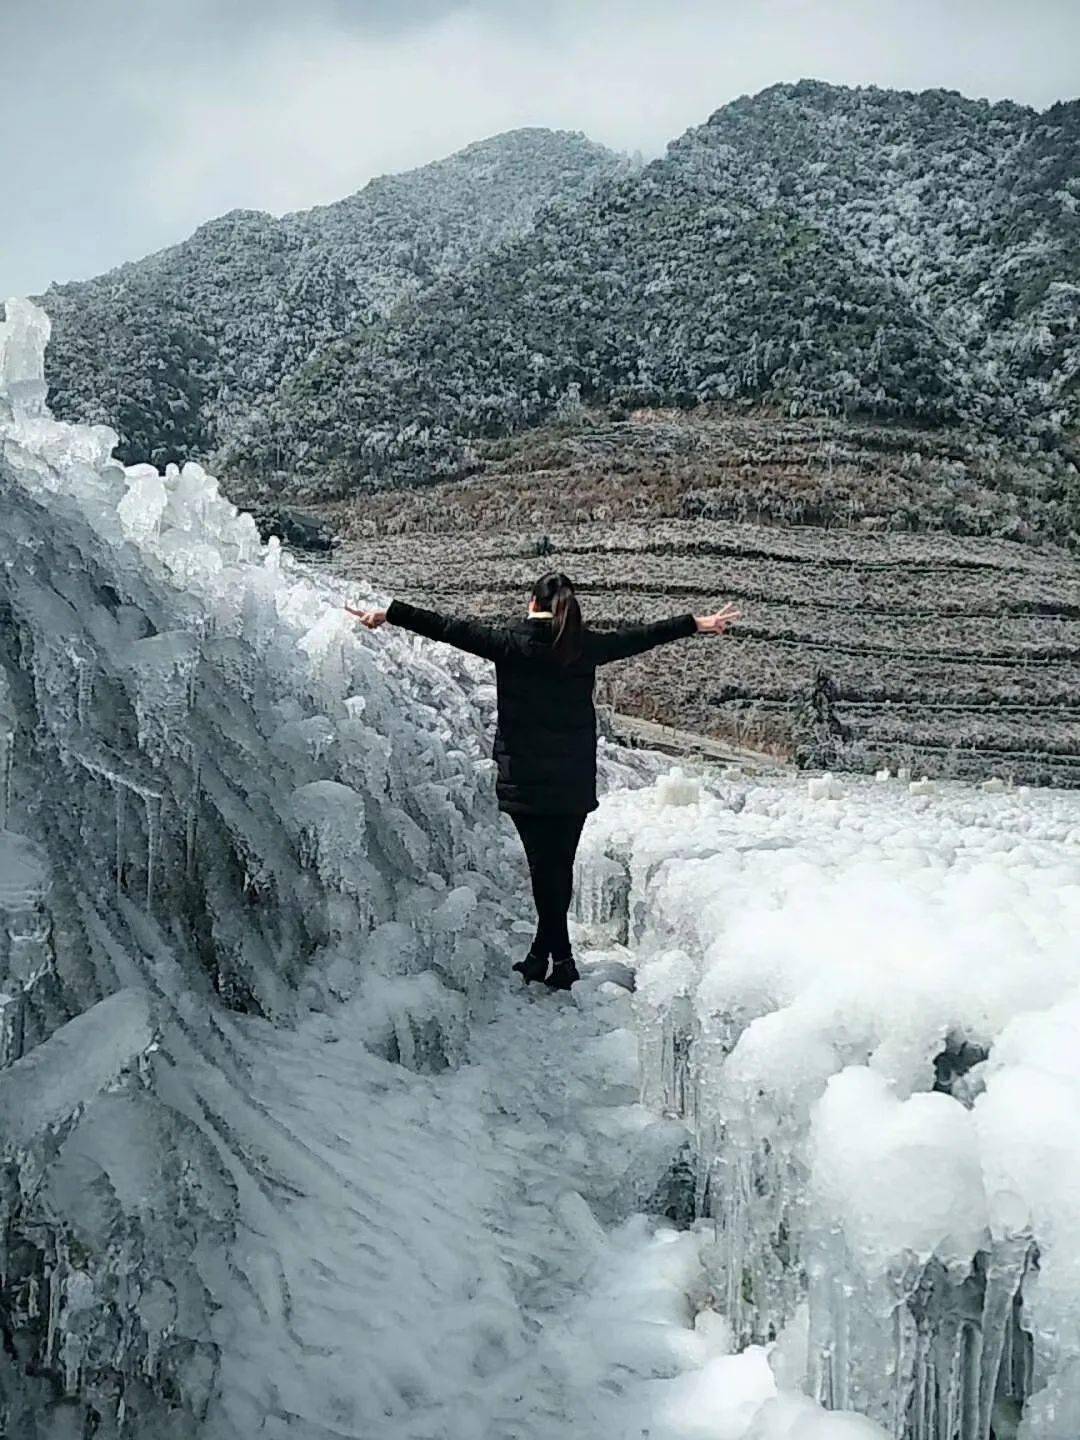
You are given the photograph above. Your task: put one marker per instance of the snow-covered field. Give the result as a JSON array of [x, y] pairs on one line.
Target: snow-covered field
[[285, 1153]]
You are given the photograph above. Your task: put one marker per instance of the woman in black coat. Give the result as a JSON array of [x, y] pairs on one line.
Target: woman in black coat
[[545, 741]]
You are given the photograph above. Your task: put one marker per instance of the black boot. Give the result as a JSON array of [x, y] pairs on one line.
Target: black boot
[[562, 975], [533, 967]]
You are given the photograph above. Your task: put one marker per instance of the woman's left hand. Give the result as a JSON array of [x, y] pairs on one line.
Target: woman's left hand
[[718, 623], [371, 619]]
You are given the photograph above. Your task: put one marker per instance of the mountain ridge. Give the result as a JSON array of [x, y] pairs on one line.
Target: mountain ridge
[[825, 249], [680, 284], [224, 314]]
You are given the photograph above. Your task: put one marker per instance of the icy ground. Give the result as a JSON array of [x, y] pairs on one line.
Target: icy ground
[[463, 1209], [284, 1152]]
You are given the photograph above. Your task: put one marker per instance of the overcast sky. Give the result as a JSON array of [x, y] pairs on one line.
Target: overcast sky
[[126, 123]]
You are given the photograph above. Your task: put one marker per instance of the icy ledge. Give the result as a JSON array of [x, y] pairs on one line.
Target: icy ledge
[[863, 1004]]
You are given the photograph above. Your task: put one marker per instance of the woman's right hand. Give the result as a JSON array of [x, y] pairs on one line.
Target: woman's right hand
[[718, 623], [372, 619]]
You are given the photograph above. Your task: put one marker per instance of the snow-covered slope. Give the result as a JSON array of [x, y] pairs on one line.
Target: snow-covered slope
[[282, 1154]]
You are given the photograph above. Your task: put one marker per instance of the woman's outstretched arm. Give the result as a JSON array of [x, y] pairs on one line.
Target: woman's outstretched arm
[[488, 641], [609, 645]]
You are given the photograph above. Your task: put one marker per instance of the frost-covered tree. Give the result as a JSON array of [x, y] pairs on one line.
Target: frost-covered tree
[[857, 252], [177, 350]]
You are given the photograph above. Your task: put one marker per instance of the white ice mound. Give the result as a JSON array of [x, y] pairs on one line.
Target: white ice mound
[[677, 788], [866, 1015]]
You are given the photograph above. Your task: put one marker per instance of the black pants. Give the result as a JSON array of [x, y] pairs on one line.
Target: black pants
[[551, 843]]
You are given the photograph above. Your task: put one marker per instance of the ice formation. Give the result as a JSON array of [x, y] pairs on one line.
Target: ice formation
[[215, 796], [866, 1014], [280, 1153]]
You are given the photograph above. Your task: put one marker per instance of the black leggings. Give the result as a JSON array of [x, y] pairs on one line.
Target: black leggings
[[551, 843]]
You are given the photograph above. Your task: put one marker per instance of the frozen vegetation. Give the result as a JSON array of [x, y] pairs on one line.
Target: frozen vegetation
[[834, 251], [281, 1151], [180, 351]]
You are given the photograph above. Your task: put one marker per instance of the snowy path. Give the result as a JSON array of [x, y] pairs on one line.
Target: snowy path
[[422, 1267]]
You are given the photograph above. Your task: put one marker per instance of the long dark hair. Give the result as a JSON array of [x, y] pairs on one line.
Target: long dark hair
[[555, 592]]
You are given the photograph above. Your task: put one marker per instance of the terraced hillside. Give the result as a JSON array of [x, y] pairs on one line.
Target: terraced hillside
[[954, 653]]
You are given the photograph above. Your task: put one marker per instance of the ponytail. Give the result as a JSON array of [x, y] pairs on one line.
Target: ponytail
[[555, 592], [566, 646]]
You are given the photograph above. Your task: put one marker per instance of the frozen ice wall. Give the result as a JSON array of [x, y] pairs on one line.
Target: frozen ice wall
[[221, 804], [210, 785], [861, 1001]]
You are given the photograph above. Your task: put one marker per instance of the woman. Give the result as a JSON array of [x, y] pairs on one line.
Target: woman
[[545, 741]]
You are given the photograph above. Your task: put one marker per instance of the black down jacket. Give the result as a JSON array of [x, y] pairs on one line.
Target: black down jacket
[[545, 743]]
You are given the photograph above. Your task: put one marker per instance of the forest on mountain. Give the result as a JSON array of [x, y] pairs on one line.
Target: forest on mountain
[[179, 350], [861, 253]]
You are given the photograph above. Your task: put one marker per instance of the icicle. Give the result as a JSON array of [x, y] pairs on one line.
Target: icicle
[[11, 1011], [7, 770], [734, 1228], [120, 807], [153, 823], [1004, 1275], [190, 834], [7, 747], [840, 1360], [677, 1045], [84, 688]]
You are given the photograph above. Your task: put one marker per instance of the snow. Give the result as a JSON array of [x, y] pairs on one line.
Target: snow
[[796, 1160]]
